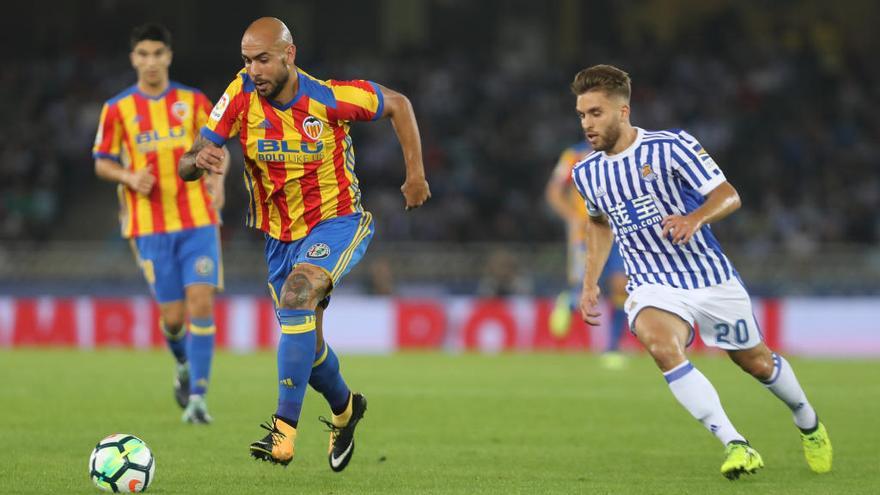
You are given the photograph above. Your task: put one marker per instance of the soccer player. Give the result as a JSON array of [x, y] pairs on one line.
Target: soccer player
[[564, 199], [656, 192], [299, 172], [172, 225]]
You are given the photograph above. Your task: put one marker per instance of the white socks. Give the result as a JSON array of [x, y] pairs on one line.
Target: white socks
[[699, 397], [785, 385]]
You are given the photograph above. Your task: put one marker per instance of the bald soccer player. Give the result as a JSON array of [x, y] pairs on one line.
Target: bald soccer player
[[299, 173]]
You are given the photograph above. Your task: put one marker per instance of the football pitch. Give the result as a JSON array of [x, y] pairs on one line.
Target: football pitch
[[436, 423]]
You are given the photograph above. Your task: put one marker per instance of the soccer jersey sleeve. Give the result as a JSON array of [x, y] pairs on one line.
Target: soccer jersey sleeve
[[578, 176], [357, 100], [203, 109], [108, 141], [695, 165], [224, 120], [562, 171]]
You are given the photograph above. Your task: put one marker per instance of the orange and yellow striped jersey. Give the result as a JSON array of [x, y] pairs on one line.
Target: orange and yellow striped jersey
[[299, 159], [141, 131], [562, 175]]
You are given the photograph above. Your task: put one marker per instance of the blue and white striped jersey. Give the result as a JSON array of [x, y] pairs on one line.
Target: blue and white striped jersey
[[662, 173]]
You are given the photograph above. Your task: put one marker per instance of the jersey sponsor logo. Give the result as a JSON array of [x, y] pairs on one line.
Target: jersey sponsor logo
[[318, 251], [181, 110], [151, 140], [204, 266], [635, 214], [292, 151], [220, 107], [312, 127], [648, 173]]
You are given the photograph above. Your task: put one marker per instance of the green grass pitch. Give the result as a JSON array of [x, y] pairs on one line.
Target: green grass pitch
[[437, 423]]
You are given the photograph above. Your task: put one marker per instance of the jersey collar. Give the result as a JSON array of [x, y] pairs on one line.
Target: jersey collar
[[137, 90], [299, 92], [635, 144]]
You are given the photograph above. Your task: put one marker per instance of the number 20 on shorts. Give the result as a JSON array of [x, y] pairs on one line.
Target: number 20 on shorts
[[740, 332]]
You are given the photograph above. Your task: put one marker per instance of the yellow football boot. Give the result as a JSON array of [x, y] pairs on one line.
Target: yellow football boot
[[741, 459], [817, 449], [277, 446]]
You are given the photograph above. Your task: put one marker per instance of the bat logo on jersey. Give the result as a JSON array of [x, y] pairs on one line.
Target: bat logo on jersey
[[181, 110], [312, 127], [648, 173], [635, 214]]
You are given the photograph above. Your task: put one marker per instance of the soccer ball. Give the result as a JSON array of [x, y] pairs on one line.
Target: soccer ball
[[122, 463]]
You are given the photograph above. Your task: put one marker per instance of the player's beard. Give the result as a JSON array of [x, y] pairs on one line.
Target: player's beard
[[278, 85], [609, 139]]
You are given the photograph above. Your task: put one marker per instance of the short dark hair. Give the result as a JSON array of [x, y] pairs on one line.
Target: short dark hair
[[607, 78], [150, 31]]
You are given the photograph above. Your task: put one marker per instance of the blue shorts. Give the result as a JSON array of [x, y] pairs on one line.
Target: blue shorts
[[171, 262], [577, 257], [336, 245]]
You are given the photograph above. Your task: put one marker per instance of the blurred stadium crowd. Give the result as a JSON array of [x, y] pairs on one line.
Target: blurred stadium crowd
[[786, 104]]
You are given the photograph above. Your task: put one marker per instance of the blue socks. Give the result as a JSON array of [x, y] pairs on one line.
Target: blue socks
[[327, 379], [200, 351], [176, 342], [618, 322], [296, 351]]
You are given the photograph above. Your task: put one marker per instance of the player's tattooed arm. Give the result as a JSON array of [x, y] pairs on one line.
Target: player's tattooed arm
[[398, 108], [203, 156], [720, 202]]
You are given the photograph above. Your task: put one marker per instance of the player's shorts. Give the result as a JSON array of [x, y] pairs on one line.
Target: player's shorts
[[171, 262], [335, 245], [577, 258], [722, 312]]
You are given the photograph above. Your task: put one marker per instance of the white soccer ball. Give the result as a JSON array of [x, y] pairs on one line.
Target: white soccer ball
[[122, 463]]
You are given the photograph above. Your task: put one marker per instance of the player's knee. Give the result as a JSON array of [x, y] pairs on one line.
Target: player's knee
[[299, 292], [172, 317], [760, 367], [200, 305], [172, 329], [295, 299], [667, 355], [304, 288], [661, 345]]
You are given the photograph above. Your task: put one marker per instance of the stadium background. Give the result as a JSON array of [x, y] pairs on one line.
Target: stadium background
[[783, 94], [784, 97]]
